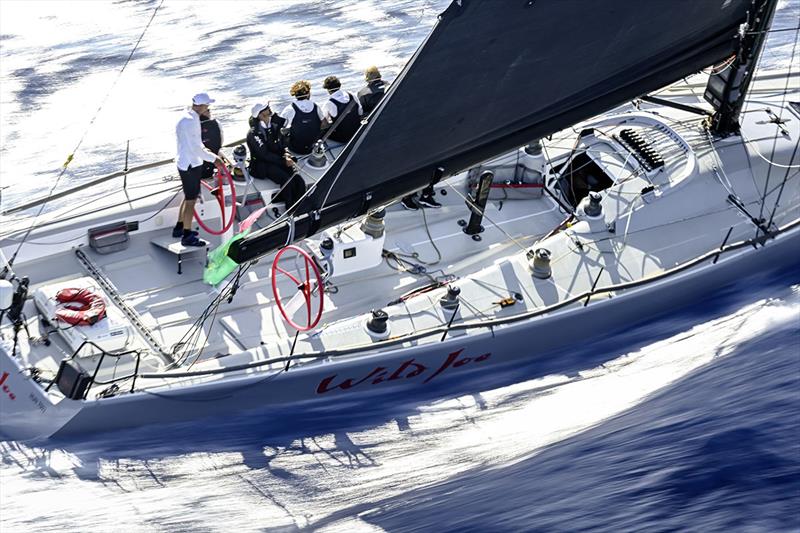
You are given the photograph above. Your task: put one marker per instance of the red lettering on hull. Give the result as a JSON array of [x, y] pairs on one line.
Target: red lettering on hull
[[8, 392], [447, 362], [347, 383], [407, 370]]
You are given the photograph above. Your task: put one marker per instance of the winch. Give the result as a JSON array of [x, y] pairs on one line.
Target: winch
[[351, 247]]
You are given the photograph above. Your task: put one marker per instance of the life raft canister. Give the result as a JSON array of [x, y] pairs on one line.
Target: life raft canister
[[92, 307]]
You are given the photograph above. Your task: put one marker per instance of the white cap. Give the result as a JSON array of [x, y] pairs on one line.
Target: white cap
[[202, 99], [257, 109]]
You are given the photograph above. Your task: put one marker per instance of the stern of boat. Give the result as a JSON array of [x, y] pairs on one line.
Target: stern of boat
[[27, 411]]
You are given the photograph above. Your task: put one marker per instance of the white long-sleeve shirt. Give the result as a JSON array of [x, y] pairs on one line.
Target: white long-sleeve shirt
[[329, 108], [305, 106], [191, 151]]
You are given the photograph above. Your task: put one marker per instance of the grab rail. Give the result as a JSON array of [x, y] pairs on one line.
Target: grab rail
[[89, 184], [103, 353]]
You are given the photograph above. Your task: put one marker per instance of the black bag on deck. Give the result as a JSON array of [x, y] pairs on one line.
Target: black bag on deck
[[71, 380]]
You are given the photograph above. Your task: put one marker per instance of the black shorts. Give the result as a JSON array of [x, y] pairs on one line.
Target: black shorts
[[190, 179]]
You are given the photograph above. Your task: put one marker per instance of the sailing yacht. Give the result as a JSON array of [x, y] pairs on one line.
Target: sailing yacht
[[591, 177]]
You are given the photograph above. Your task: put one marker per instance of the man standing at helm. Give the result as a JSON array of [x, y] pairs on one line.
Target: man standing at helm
[[190, 158]]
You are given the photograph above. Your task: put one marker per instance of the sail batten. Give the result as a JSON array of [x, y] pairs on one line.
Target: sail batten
[[495, 74]]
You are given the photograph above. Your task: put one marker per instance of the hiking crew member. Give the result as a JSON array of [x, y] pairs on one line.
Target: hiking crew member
[[268, 157], [211, 133], [339, 105], [370, 95], [190, 158], [303, 119]]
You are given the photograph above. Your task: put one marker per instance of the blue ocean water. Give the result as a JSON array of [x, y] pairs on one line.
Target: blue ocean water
[[689, 422], [718, 451]]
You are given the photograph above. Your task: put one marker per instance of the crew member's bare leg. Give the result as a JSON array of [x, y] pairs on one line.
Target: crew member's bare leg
[[186, 213], [180, 211]]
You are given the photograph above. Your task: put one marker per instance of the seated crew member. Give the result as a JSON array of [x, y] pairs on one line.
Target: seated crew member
[[371, 94], [339, 104], [268, 157], [303, 119], [211, 133]]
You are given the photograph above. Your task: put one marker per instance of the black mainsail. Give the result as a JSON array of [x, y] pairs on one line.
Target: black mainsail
[[494, 75]]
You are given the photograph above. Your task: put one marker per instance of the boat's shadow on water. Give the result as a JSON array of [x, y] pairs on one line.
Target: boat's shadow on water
[[718, 451], [325, 429]]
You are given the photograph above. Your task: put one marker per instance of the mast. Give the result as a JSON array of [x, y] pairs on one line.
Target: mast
[[727, 89]]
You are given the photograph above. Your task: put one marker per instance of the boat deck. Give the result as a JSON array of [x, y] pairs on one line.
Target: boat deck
[[492, 273], [145, 277]]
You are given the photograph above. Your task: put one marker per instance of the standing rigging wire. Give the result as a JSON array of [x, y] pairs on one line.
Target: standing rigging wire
[[10, 262], [775, 140], [774, 31], [783, 186], [190, 340], [482, 212], [794, 152], [74, 216]]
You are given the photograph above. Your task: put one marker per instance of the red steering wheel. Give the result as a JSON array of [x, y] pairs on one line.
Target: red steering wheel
[[307, 279], [223, 175]]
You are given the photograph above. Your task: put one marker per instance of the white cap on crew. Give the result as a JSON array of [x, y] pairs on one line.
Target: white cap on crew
[[257, 109], [202, 99]]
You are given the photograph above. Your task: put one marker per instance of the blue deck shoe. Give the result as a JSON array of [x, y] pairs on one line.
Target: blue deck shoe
[[193, 240], [178, 232]]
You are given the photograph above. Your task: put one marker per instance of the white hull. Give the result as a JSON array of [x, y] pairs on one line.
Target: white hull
[[653, 249], [32, 414]]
